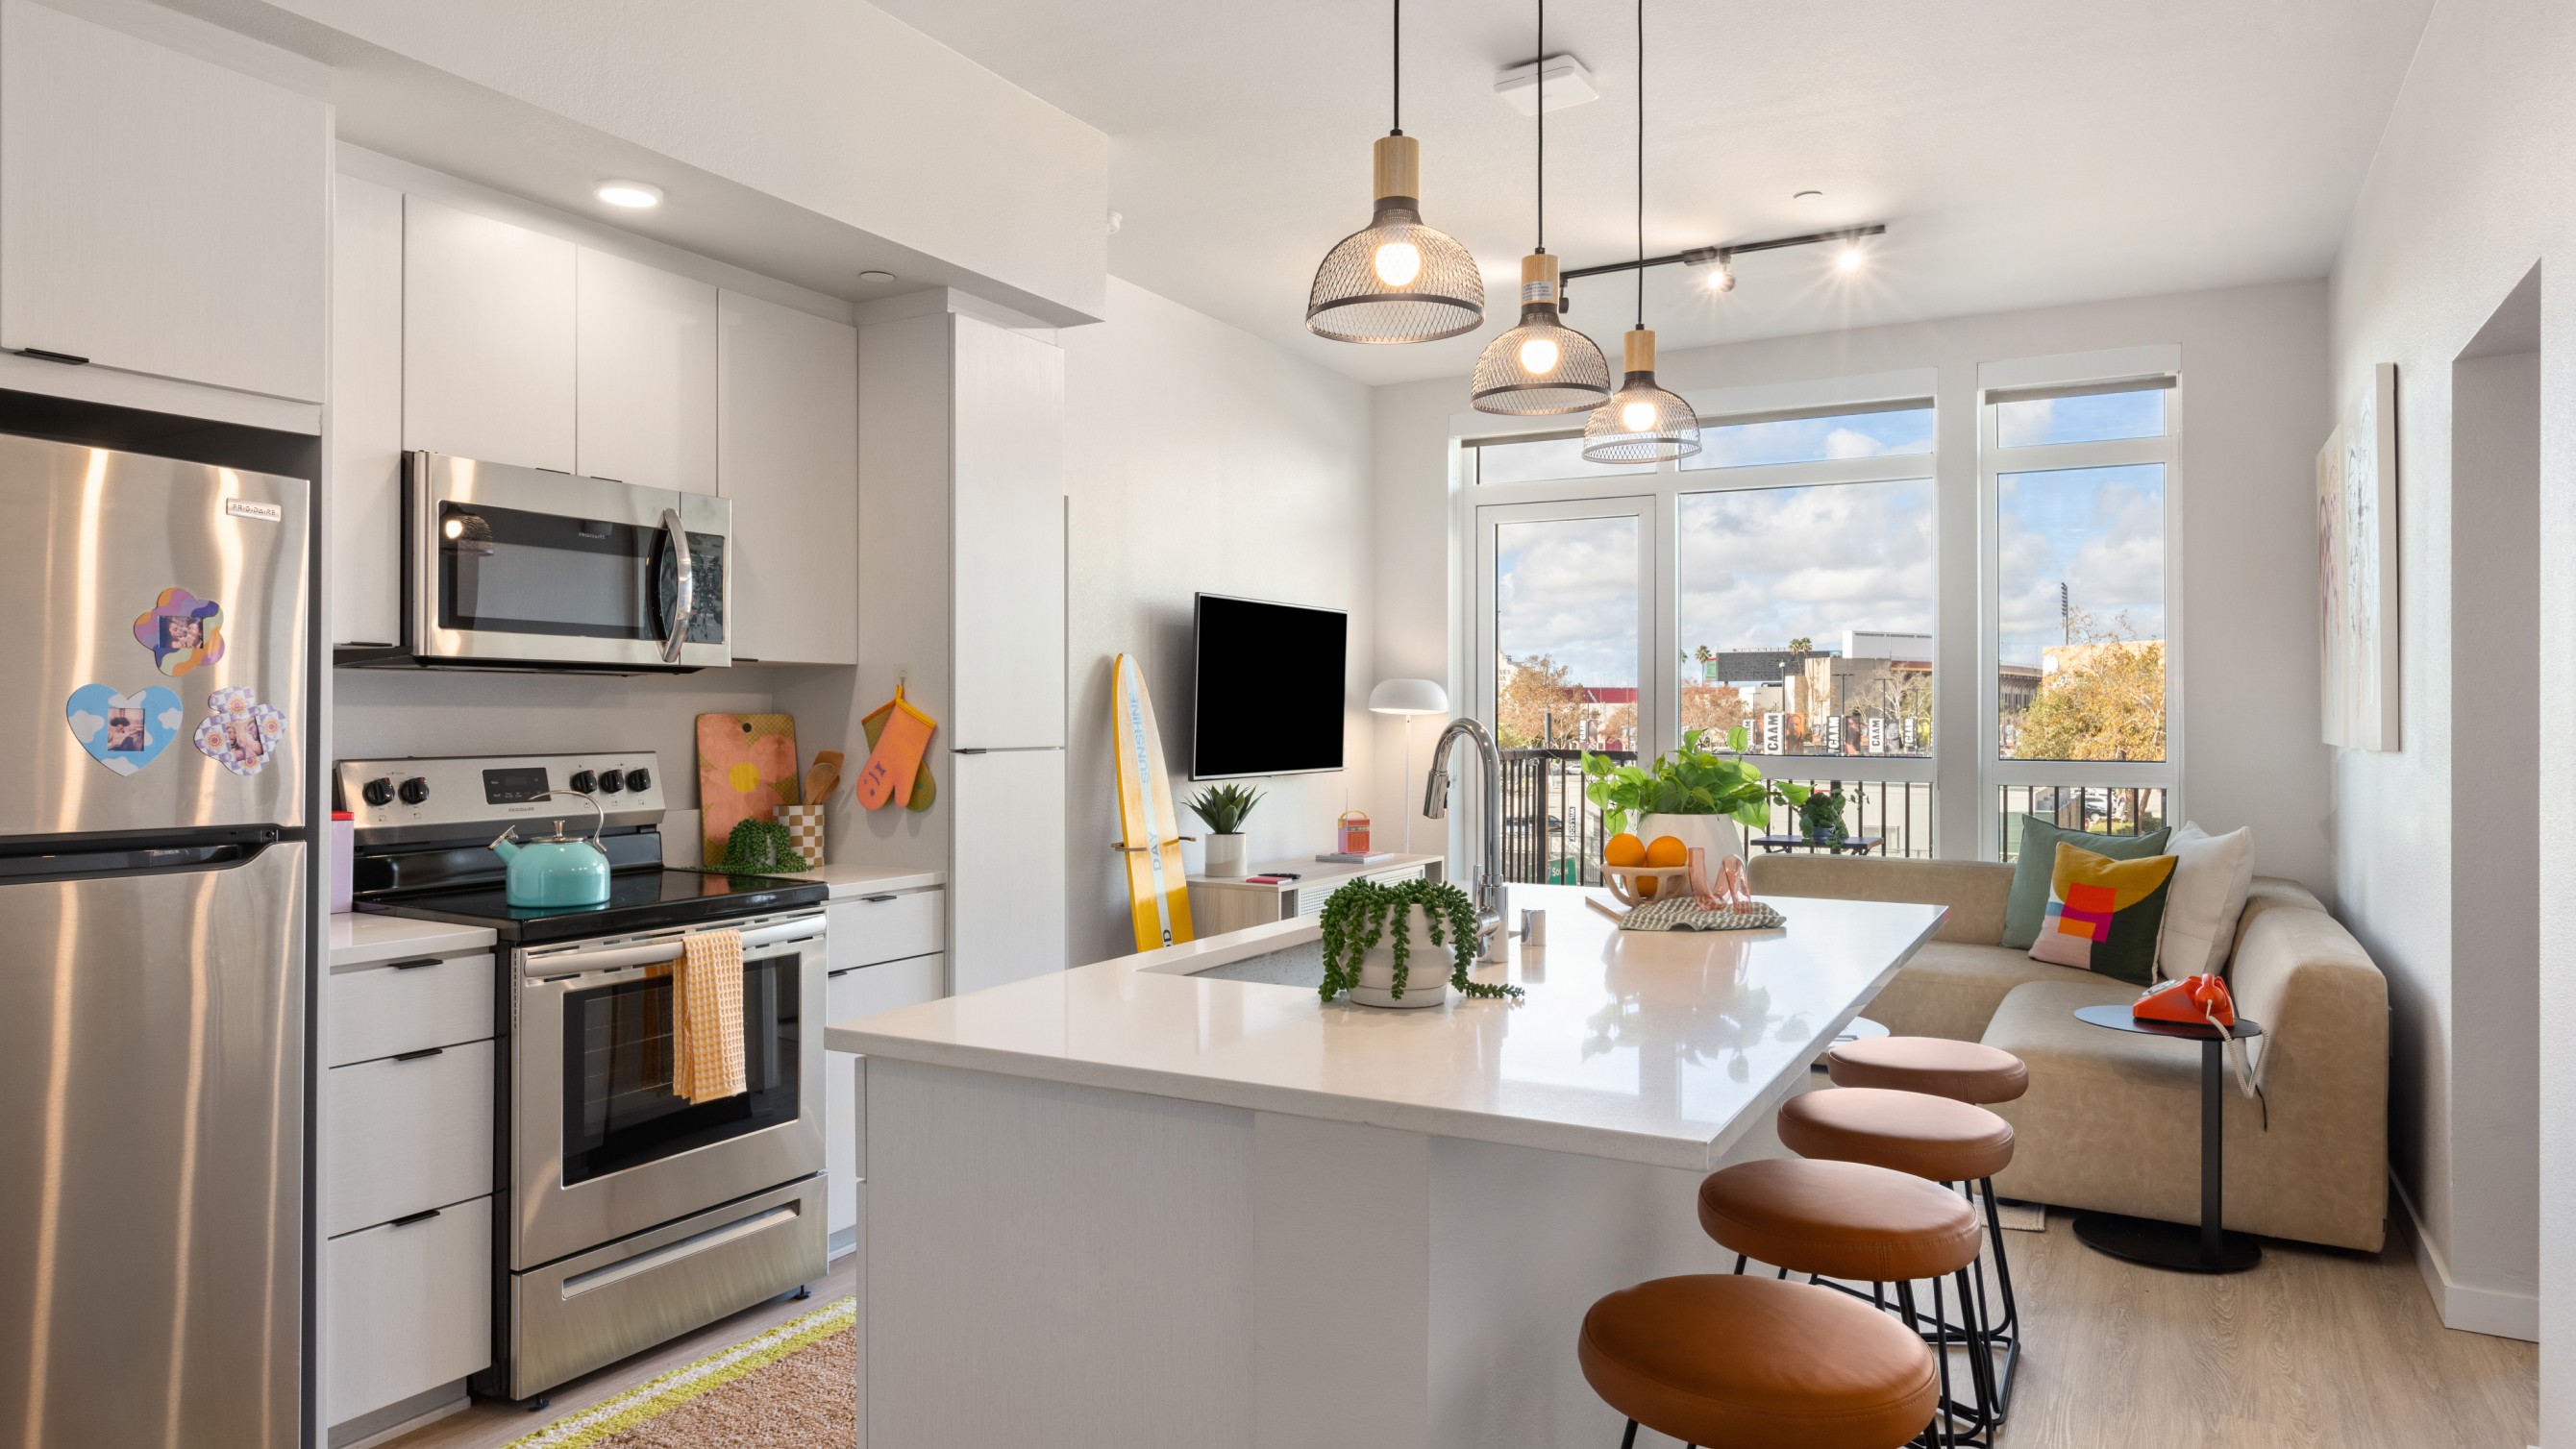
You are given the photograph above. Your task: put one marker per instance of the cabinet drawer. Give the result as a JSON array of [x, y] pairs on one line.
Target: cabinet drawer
[[867, 990], [403, 1006], [870, 929], [406, 1135], [410, 1308]]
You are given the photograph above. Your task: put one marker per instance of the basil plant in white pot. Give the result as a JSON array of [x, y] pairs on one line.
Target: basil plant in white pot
[[1224, 807], [1696, 795]]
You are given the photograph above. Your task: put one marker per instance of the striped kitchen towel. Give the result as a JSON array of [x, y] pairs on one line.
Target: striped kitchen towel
[[706, 1017]]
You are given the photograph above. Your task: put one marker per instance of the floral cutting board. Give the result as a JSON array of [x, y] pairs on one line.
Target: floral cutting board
[[746, 770]]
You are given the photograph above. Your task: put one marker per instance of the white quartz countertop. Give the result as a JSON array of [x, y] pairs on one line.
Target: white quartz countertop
[[868, 880], [363, 938], [1653, 1047]]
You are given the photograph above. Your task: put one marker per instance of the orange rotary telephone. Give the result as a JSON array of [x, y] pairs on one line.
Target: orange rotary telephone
[[2193, 1000]]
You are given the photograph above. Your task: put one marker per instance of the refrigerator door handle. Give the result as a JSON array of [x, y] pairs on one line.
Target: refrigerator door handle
[[139, 858]]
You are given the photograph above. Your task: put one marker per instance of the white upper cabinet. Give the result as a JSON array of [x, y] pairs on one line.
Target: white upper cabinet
[[1007, 448], [787, 454], [363, 493], [159, 213], [645, 401], [488, 338]]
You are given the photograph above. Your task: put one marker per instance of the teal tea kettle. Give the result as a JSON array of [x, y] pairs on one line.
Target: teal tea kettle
[[557, 869]]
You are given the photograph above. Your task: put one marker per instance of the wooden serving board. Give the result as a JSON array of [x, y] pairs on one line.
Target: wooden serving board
[[746, 770]]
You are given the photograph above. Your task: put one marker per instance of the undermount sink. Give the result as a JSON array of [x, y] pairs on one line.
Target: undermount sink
[[1298, 965]]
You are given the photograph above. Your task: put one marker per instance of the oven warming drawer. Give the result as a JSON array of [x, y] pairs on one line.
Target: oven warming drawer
[[595, 1308]]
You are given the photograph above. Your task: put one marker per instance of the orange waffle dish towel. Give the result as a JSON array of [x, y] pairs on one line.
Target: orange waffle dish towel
[[706, 1018]]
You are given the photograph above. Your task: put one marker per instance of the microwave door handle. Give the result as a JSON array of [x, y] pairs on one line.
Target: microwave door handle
[[684, 597]]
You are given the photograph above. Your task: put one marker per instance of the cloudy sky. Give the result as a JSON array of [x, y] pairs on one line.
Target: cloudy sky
[[1762, 566]]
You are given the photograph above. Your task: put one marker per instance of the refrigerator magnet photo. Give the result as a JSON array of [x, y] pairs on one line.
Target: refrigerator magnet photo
[[182, 631], [124, 732], [240, 733]]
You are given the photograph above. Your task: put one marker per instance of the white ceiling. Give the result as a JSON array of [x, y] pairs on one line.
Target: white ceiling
[[2022, 152]]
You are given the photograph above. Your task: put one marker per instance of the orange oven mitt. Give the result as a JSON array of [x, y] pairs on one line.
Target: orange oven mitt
[[888, 774]]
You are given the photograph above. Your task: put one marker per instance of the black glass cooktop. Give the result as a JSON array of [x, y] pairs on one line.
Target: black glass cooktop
[[640, 900]]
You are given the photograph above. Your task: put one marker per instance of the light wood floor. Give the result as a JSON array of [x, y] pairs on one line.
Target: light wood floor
[[491, 1423], [2314, 1348]]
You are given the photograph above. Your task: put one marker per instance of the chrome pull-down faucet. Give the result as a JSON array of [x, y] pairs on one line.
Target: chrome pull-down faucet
[[1435, 806]]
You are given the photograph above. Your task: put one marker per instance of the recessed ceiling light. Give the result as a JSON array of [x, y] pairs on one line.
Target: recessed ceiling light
[[873, 275], [632, 194], [1808, 196]]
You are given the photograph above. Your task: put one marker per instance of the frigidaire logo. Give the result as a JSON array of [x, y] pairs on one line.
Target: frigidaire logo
[[264, 512]]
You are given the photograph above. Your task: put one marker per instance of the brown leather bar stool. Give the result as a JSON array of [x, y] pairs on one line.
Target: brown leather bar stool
[[1963, 1071], [1929, 1137], [1851, 1221], [1728, 1362]]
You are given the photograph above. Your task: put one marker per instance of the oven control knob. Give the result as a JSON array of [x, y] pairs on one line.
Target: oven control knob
[[414, 790], [582, 782], [639, 779], [377, 792], [612, 781]]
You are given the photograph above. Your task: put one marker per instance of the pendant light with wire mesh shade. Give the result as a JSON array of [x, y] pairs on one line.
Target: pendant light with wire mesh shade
[[1396, 280], [1542, 365], [1641, 422]]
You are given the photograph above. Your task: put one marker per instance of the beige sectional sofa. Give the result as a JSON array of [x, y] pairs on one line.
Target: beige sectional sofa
[[2112, 1120]]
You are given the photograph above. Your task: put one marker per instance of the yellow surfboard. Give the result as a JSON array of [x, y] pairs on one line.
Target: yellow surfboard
[[1158, 887]]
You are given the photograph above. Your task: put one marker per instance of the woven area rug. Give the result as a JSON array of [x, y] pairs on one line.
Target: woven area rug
[[793, 1387]]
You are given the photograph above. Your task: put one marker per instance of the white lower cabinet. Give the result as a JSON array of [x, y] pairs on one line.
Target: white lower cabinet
[[409, 1133], [855, 992], [410, 1307]]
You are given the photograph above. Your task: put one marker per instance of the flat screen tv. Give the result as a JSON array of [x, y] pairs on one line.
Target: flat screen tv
[[1269, 691]]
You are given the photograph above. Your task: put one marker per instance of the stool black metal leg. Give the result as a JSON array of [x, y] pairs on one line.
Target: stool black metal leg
[[1936, 1434], [1629, 1439], [2005, 1334], [1739, 1265], [1989, 1414]]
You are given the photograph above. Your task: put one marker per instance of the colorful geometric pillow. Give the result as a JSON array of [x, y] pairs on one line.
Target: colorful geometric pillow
[[2105, 915], [2037, 862]]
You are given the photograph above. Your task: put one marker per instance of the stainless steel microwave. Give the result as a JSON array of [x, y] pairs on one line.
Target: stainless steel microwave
[[521, 568]]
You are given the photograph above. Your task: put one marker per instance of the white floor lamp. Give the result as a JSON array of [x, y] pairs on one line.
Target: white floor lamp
[[1409, 697]]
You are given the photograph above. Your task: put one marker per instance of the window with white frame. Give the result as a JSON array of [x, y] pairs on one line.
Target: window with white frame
[[2078, 483]]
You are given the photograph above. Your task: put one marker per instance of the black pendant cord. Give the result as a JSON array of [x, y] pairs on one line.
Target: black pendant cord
[[1542, 125], [1641, 165], [1395, 63]]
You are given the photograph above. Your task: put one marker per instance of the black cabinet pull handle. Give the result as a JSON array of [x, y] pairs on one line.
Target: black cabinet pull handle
[[416, 1056], [418, 1217], [415, 963], [47, 355], [874, 900]]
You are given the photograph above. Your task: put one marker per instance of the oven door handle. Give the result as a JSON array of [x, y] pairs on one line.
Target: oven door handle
[[684, 592], [770, 940]]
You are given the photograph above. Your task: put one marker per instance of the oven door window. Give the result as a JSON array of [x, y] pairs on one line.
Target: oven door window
[[619, 1111], [511, 571]]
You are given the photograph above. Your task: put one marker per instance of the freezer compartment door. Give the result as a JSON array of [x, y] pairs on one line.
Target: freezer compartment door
[[152, 1155], [146, 598], [1006, 898]]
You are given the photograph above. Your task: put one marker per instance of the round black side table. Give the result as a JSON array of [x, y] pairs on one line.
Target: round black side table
[[2209, 1248]]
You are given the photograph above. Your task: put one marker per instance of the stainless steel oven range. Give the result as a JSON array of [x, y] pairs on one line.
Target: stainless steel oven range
[[626, 1214]]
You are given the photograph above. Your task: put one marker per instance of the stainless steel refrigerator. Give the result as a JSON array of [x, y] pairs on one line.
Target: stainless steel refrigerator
[[152, 950]]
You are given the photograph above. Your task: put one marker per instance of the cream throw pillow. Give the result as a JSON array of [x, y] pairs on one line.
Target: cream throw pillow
[[2211, 875]]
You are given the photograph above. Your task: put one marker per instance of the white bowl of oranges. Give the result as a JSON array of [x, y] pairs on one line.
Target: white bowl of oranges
[[1638, 871]]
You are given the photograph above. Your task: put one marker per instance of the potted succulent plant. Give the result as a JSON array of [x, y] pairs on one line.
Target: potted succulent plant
[[1223, 807], [1698, 795], [1385, 943]]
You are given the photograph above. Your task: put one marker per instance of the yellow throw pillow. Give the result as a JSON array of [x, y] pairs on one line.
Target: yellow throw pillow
[[2105, 916]]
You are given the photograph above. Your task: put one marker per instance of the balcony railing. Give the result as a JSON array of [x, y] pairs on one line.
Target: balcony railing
[[1553, 836], [2093, 809]]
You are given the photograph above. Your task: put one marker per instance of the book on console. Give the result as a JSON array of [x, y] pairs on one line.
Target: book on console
[[1357, 857]]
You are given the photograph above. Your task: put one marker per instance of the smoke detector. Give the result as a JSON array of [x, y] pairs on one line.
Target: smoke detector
[[1569, 83]]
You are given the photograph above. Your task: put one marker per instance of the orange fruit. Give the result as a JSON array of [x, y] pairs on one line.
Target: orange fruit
[[1645, 885], [1667, 850], [1624, 850]]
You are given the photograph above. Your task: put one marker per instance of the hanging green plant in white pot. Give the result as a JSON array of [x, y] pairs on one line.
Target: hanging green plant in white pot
[[1386, 942]]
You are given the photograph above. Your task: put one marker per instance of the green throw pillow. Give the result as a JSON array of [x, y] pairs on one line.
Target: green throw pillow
[[2028, 904]]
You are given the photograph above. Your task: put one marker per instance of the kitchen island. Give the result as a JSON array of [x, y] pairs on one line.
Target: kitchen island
[[1148, 1202]]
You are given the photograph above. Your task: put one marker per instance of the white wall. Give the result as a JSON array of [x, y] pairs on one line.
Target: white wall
[[2253, 362], [2471, 188], [1201, 459]]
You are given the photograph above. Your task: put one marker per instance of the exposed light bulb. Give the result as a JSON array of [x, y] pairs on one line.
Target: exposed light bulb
[[455, 528], [1849, 260], [1538, 356], [1723, 279], [1398, 263], [1637, 417]]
